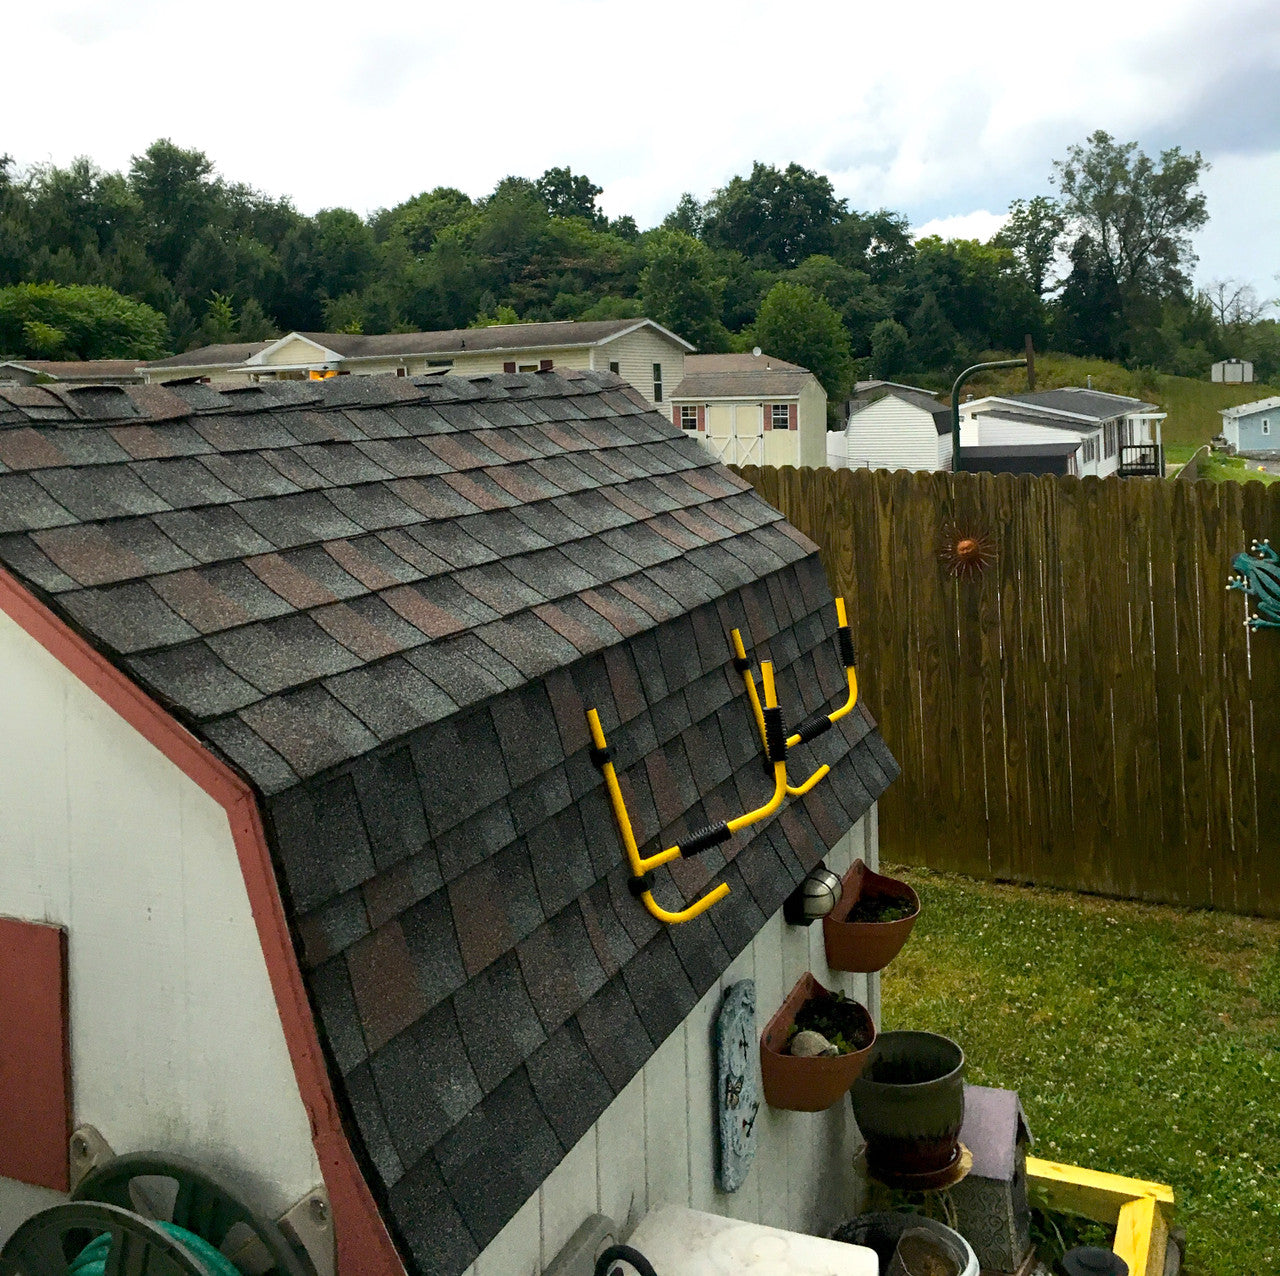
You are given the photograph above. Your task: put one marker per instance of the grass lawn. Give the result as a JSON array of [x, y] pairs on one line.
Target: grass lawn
[[1142, 1040]]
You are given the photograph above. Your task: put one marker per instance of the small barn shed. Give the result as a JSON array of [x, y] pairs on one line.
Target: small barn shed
[[296, 770]]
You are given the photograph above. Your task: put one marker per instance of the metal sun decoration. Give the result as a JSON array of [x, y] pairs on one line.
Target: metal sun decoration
[[966, 554], [1257, 576]]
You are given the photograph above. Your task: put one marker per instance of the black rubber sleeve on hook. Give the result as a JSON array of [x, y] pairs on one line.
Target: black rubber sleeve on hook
[[775, 735], [601, 756], [705, 839], [812, 728], [742, 663], [845, 636], [638, 885]]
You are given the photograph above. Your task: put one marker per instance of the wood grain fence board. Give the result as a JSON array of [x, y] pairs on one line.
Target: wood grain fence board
[[1172, 812], [1142, 791], [1194, 689], [1265, 688]]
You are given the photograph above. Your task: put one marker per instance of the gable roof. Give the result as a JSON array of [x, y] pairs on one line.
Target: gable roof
[[1028, 416], [498, 337], [921, 399], [740, 376], [388, 602]]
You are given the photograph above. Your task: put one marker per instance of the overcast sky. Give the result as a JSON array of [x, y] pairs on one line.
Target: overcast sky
[[943, 111]]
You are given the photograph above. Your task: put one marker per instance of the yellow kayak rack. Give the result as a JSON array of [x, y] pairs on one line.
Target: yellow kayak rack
[[641, 884], [812, 727]]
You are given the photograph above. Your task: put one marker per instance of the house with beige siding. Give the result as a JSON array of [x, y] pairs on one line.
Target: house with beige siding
[[892, 427], [638, 350], [752, 409]]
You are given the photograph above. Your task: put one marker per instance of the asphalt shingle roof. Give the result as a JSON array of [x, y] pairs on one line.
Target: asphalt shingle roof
[[388, 602]]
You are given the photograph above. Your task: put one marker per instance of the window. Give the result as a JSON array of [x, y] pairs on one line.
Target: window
[[688, 418], [1109, 438], [1089, 453], [779, 417], [402, 372], [613, 366], [526, 367], [1266, 425], [657, 383]]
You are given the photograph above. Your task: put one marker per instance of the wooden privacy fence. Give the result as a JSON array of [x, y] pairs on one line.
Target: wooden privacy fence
[[1090, 711]]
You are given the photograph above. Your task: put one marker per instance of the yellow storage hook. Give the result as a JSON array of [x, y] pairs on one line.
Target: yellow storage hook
[[813, 727], [641, 883]]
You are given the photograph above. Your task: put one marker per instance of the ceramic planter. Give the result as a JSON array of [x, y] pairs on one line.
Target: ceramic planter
[[909, 1103], [800, 1084], [866, 946]]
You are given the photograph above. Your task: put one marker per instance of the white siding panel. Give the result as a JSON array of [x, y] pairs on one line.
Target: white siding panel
[[635, 355], [176, 1042], [656, 1142], [892, 434]]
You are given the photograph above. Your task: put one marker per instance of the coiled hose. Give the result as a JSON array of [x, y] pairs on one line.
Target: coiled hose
[[92, 1260]]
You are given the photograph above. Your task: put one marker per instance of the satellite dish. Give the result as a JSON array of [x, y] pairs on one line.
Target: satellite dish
[[757, 351]]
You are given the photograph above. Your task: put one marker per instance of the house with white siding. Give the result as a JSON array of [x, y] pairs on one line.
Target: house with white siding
[[640, 351], [892, 427], [1253, 427], [1116, 434], [752, 409]]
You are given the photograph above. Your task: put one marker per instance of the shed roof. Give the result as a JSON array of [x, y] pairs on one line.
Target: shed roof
[[740, 376], [505, 336], [1248, 409], [922, 399], [388, 602]]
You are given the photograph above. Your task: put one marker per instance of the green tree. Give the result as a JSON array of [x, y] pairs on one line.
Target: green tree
[[890, 349], [795, 324], [1034, 232], [680, 290], [568, 194], [93, 322], [687, 216], [420, 219], [219, 324], [1089, 314], [785, 215], [934, 340], [1138, 214], [178, 196]]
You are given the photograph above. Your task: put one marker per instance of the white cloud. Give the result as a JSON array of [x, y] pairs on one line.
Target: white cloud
[[979, 224]]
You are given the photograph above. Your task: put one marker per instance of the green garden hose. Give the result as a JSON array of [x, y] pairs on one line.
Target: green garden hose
[[92, 1260]]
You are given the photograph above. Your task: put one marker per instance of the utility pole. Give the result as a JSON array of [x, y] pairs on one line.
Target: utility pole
[[955, 401], [1031, 364]]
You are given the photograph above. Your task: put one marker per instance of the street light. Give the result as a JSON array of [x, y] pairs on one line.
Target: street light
[[955, 401]]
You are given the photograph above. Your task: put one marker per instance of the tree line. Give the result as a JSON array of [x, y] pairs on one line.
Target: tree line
[[170, 255]]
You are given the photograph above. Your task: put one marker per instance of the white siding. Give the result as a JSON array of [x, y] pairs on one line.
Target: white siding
[[635, 355], [176, 1042], [656, 1142], [892, 434], [813, 424]]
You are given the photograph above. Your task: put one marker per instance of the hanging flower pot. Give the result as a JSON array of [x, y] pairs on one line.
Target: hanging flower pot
[[812, 1083], [869, 925]]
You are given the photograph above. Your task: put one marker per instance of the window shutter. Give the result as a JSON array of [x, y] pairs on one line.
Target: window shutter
[[793, 416], [702, 417], [544, 365], [675, 418], [766, 410], [35, 1115], [510, 366]]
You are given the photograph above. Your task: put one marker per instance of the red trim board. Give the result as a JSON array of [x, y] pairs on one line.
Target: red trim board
[[364, 1244]]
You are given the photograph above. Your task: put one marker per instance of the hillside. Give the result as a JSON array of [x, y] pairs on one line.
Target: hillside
[[1192, 405]]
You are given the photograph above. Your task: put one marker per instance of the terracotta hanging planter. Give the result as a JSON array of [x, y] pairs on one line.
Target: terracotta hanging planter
[[800, 1084], [868, 946]]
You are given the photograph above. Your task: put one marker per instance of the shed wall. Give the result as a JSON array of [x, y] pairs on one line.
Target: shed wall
[[1251, 436], [655, 1144], [891, 434], [635, 355], [176, 1042]]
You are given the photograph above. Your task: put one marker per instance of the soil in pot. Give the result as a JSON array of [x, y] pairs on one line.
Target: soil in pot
[[840, 1019], [872, 920]]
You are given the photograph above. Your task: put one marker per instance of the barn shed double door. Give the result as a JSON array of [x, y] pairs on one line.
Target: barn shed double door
[[735, 432]]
